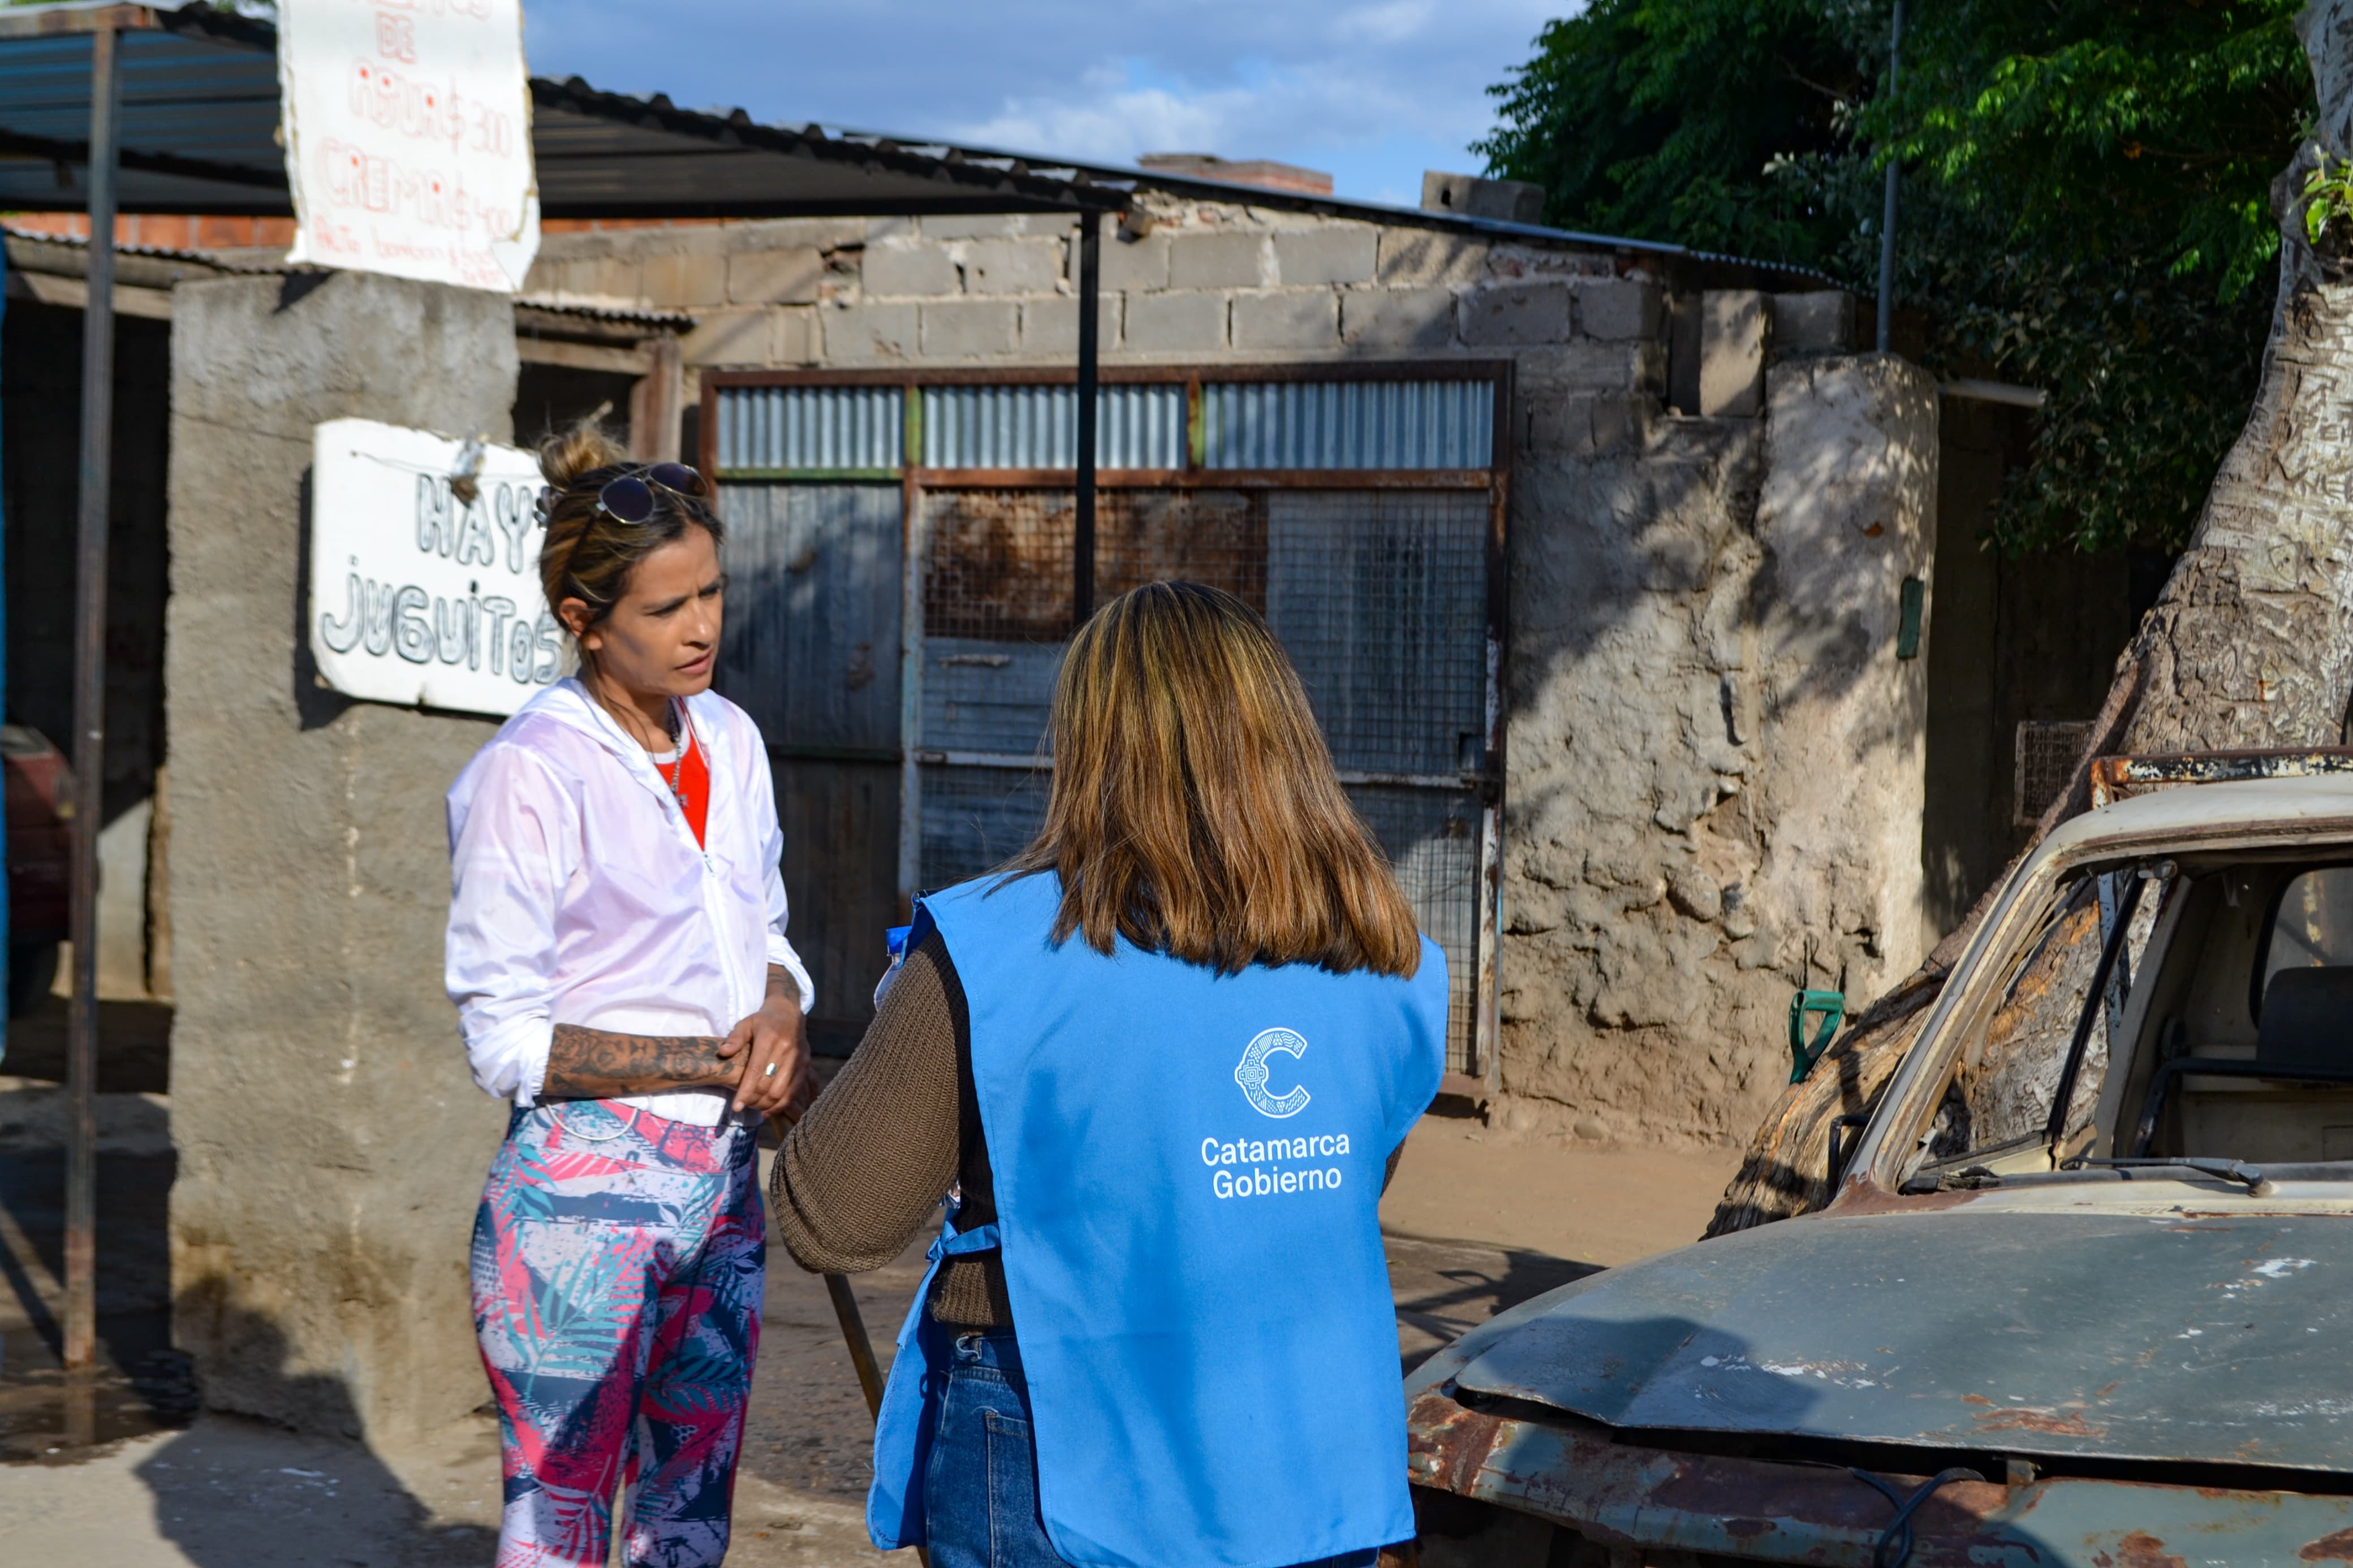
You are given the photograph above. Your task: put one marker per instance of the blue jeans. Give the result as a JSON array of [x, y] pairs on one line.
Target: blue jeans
[[980, 1483]]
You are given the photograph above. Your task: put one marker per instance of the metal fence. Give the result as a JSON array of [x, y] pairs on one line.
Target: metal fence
[[1359, 509]]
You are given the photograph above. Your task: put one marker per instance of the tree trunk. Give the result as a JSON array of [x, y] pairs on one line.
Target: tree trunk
[[2250, 645]]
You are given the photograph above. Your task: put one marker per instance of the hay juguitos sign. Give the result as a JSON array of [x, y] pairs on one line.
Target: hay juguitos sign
[[420, 595]]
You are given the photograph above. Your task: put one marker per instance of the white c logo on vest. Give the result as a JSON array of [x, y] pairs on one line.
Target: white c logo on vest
[[1251, 1074]]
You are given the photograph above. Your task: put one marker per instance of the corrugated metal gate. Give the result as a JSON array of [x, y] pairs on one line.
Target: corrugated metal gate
[[896, 625]]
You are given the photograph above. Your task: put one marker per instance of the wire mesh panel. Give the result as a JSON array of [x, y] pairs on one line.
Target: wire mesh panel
[[998, 584], [997, 617], [975, 819], [997, 564], [2044, 765], [1380, 598], [1214, 537], [1432, 836]]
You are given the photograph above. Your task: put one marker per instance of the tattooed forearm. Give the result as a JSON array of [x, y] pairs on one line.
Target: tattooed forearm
[[593, 1063]]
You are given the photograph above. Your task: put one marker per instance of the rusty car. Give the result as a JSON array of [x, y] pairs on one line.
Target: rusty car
[[2084, 1292]]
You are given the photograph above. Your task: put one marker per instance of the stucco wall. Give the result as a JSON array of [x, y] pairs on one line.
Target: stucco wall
[[330, 1144], [1715, 755]]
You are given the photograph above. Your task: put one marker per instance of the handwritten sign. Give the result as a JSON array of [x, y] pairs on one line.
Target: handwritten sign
[[407, 132], [419, 596]]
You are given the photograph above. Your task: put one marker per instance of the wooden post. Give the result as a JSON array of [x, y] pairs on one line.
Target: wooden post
[[657, 403]]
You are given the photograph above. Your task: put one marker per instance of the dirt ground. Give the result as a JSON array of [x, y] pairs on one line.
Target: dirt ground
[[1474, 1222]]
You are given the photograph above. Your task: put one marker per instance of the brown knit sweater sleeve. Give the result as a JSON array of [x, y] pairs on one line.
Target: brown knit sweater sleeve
[[866, 1168], [873, 1157]]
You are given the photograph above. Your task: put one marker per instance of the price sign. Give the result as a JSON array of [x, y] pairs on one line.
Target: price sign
[[407, 132]]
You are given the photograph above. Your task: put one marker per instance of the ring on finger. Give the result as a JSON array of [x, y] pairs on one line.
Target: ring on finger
[[771, 1072]]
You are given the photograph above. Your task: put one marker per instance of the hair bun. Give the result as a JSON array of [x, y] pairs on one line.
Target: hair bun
[[581, 448]]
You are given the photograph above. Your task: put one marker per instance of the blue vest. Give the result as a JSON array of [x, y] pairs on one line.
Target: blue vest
[[1189, 1171]]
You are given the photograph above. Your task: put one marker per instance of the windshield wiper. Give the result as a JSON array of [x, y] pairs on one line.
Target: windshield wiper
[[2251, 1176]]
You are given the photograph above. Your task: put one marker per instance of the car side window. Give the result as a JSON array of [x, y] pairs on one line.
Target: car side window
[[2311, 928], [2009, 1073]]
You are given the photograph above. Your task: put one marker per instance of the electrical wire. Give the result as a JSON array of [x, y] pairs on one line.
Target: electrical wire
[[1894, 1547]]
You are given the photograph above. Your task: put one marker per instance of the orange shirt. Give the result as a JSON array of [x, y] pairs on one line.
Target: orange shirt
[[692, 774]]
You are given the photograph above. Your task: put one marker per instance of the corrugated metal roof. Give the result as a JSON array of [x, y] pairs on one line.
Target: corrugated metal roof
[[18, 238], [200, 121], [199, 111]]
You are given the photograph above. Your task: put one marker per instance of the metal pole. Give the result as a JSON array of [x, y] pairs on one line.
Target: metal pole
[[1090, 294], [5, 982], [89, 708], [1887, 213]]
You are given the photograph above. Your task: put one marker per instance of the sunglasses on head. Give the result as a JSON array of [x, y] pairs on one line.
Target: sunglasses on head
[[630, 497]]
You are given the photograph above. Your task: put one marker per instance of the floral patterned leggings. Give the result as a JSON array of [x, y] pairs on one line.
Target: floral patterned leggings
[[619, 1265]]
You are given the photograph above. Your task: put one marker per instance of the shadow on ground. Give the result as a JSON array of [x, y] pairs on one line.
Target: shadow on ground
[[1446, 1289], [225, 1493], [140, 1384], [248, 1494]]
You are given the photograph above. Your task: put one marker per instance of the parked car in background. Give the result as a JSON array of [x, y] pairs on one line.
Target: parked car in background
[[40, 803], [2084, 1296]]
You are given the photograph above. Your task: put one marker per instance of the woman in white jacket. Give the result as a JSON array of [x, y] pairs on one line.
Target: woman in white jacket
[[617, 953]]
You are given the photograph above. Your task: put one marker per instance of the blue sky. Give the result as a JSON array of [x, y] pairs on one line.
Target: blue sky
[[1373, 93]]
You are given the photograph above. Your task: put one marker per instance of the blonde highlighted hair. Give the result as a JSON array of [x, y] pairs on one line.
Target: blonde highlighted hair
[[1195, 810], [585, 552]]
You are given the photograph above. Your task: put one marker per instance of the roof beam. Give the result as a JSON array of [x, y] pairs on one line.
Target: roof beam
[[12, 142], [70, 21]]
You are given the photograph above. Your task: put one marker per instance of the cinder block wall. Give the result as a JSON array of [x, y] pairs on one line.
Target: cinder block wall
[[1713, 770], [1207, 282], [332, 1146]]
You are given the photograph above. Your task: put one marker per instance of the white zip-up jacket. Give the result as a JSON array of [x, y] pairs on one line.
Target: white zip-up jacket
[[579, 895]]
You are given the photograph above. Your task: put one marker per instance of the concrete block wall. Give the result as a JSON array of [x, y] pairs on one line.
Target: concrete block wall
[[332, 1145], [753, 287], [1207, 279]]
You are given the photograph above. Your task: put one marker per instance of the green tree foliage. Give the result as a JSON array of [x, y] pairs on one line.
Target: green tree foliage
[[2087, 198]]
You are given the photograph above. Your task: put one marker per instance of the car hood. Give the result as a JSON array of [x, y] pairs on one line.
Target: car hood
[[2180, 1335]]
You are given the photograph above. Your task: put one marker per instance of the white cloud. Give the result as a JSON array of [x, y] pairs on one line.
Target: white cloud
[[1373, 92], [1114, 119]]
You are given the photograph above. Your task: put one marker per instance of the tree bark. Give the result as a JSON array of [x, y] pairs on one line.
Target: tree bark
[[2251, 644]]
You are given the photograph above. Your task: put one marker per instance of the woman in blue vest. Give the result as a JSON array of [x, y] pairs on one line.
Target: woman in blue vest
[[1165, 1058]]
